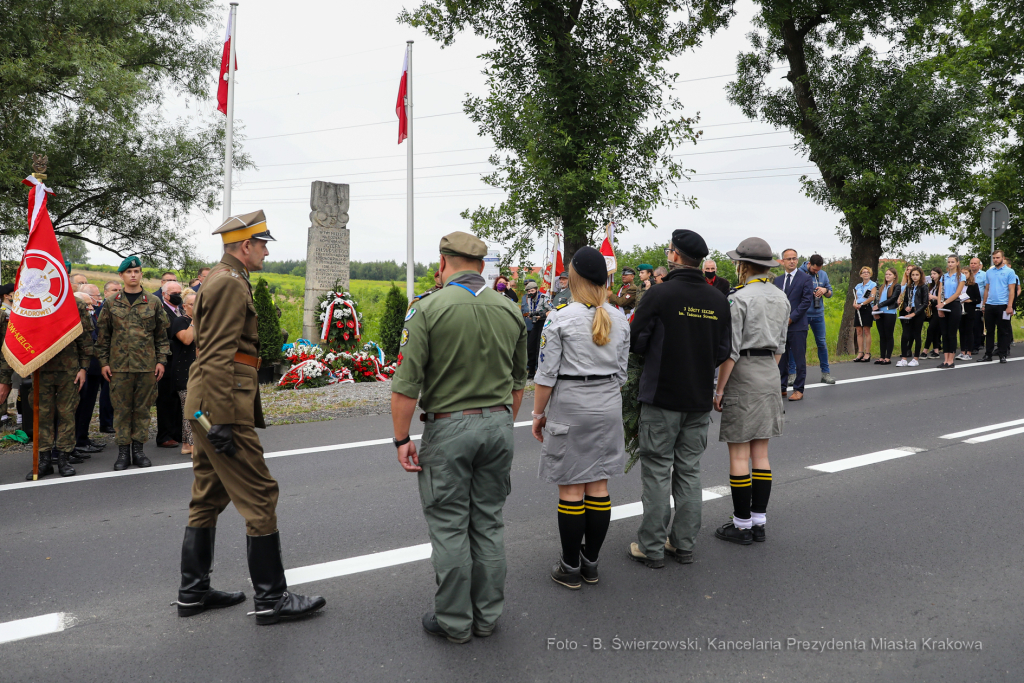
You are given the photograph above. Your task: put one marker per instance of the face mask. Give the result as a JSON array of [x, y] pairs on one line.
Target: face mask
[[175, 299], [501, 286], [709, 274], [532, 292]]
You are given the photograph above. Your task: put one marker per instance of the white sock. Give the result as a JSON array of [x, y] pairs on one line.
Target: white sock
[[757, 518], [741, 523]]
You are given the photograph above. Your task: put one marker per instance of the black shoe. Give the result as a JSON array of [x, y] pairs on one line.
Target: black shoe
[[636, 554], [106, 430], [45, 466], [63, 467], [195, 595], [483, 632], [74, 458], [984, 359], [90, 447], [266, 568], [1002, 359], [728, 532], [124, 457], [431, 626], [757, 532], [681, 556], [588, 569], [84, 455], [139, 458], [565, 575]]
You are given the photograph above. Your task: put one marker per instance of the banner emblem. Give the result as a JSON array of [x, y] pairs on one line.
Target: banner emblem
[[42, 287]]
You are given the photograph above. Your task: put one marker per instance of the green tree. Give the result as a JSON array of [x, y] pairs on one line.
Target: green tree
[[392, 321], [268, 325], [892, 136], [84, 82], [578, 107]]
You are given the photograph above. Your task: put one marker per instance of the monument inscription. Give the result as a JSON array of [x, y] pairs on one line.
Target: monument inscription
[[327, 249]]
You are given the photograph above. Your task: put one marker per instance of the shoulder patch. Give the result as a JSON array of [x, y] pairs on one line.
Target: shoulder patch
[[543, 340], [234, 273], [560, 306], [405, 337], [410, 314]]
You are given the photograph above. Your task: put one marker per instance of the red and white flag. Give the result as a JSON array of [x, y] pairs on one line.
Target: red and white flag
[[44, 316], [403, 85], [555, 266], [608, 252], [222, 87]]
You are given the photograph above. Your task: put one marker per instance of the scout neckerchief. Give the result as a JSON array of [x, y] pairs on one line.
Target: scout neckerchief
[[765, 280], [473, 283]]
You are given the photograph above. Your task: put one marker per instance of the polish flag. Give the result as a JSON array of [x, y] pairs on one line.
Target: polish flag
[[555, 266], [403, 121], [608, 252], [222, 87]]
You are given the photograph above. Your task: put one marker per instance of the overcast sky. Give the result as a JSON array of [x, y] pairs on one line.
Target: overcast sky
[[337, 66]]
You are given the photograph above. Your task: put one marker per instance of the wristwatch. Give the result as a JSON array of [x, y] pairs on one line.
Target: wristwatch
[[401, 443]]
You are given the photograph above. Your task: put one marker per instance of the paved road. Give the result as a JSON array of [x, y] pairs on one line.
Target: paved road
[[922, 544]]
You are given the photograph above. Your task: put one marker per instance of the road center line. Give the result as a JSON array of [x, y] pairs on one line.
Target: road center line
[[980, 430], [867, 459], [33, 626], [997, 435], [415, 553]]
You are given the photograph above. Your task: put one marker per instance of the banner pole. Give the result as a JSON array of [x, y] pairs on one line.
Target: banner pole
[[410, 262], [35, 425], [230, 123]]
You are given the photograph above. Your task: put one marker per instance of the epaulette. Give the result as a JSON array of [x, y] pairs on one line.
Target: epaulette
[[560, 306]]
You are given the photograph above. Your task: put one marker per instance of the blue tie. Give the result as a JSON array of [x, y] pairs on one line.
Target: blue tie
[[789, 279]]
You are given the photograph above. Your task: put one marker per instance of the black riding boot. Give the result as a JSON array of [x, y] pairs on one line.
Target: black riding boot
[[273, 601], [195, 595], [124, 457], [63, 467], [139, 458], [45, 467]]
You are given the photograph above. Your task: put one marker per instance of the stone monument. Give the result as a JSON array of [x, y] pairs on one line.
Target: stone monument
[[327, 250]]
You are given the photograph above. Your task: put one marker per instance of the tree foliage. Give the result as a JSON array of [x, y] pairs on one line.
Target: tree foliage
[[578, 107], [84, 82]]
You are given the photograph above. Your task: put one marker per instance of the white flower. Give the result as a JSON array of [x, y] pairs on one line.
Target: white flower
[[323, 304], [337, 314]]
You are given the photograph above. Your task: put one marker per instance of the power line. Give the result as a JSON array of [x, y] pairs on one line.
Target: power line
[[327, 59], [360, 125], [351, 85]]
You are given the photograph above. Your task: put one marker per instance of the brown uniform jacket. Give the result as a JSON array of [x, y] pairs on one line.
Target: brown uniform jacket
[[132, 337], [76, 355], [224, 320], [626, 298]]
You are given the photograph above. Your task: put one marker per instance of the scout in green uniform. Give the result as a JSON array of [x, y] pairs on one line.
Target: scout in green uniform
[[626, 298], [132, 348], [464, 357], [563, 295], [227, 461]]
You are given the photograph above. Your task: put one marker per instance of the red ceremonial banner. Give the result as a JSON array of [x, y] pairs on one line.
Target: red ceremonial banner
[[44, 318]]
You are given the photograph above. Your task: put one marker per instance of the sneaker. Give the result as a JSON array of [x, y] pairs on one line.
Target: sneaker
[[826, 378], [757, 533], [901, 363], [913, 363], [728, 532], [933, 354], [961, 356], [681, 556], [984, 359], [636, 554]]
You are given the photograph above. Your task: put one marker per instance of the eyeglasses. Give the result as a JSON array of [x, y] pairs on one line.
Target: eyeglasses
[[668, 251]]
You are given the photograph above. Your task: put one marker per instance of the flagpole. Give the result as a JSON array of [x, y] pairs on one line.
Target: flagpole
[[410, 263], [229, 131]]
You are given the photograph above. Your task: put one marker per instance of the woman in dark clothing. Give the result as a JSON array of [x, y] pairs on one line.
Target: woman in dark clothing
[[912, 305], [973, 293], [887, 310], [933, 339], [503, 287], [183, 354]]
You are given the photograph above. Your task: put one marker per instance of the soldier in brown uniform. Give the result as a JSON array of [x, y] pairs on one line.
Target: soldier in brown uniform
[[132, 348], [228, 461]]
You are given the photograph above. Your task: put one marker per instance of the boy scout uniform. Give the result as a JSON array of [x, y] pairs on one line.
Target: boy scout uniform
[[463, 354], [562, 297]]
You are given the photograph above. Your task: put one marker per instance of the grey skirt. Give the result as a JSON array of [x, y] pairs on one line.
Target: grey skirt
[[752, 405], [583, 440]]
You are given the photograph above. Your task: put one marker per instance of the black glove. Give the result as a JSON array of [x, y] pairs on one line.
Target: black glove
[[223, 442]]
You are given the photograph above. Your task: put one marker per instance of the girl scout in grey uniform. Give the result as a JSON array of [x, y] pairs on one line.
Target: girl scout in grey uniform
[[748, 392], [577, 414]]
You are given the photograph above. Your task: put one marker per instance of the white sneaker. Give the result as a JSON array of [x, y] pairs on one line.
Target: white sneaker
[[902, 363], [913, 363]]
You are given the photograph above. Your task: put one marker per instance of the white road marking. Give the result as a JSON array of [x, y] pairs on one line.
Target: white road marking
[[997, 435], [415, 553], [980, 430], [867, 459], [33, 626]]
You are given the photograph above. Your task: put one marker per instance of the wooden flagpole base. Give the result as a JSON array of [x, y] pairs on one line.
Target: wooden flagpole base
[[35, 426]]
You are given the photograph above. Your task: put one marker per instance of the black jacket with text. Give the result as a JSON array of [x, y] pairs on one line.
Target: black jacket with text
[[683, 327]]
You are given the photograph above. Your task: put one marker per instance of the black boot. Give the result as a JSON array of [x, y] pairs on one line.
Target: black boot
[[272, 599], [63, 467], [73, 457], [45, 467], [195, 595], [565, 575], [124, 457], [588, 569], [139, 458]]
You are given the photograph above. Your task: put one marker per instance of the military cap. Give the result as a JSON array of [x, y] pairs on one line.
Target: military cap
[[247, 226], [564, 274], [590, 264], [689, 243], [628, 271], [530, 284], [754, 250], [130, 262], [463, 244], [646, 266], [67, 266]]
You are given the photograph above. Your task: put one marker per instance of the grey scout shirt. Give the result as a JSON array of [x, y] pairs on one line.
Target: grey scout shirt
[[567, 345], [760, 317]]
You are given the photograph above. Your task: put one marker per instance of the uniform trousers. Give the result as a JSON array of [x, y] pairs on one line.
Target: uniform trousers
[[83, 415], [950, 324], [242, 479], [466, 461], [994, 324], [670, 448], [132, 394], [911, 338], [58, 400], [106, 407], [979, 328]]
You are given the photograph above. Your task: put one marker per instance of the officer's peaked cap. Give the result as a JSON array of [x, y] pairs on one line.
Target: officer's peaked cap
[[247, 226]]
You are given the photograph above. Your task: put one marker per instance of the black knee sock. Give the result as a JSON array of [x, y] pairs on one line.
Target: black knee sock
[[761, 490], [740, 486], [572, 524], [599, 516]]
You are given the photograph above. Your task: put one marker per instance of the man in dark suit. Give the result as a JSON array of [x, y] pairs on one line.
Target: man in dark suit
[[799, 287], [168, 405], [94, 380]]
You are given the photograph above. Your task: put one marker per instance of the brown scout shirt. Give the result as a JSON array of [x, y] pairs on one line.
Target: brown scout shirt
[[224, 319]]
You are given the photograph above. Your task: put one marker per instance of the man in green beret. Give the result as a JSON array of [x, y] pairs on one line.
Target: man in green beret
[[646, 271], [132, 348], [463, 354]]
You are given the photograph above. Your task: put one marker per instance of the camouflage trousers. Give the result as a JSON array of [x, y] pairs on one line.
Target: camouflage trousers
[[132, 394], [58, 401]]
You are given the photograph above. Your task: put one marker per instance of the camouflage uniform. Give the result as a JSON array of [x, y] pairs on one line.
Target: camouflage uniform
[[58, 395], [132, 339]]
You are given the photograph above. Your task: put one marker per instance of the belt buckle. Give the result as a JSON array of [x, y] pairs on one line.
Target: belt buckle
[[259, 362]]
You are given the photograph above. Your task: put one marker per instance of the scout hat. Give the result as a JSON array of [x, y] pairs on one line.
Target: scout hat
[[530, 284], [689, 243], [754, 250], [247, 226], [590, 264], [130, 262], [464, 245]]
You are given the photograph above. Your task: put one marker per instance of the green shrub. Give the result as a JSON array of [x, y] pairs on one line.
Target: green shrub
[[392, 321], [267, 324]]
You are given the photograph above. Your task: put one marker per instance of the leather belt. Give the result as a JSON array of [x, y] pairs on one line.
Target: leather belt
[[246, 359], [585, 378], [469, 411], [757, 352]]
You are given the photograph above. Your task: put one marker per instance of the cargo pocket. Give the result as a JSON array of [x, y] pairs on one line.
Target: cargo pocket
[[244, 388], [437, 485], [556, 439]]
